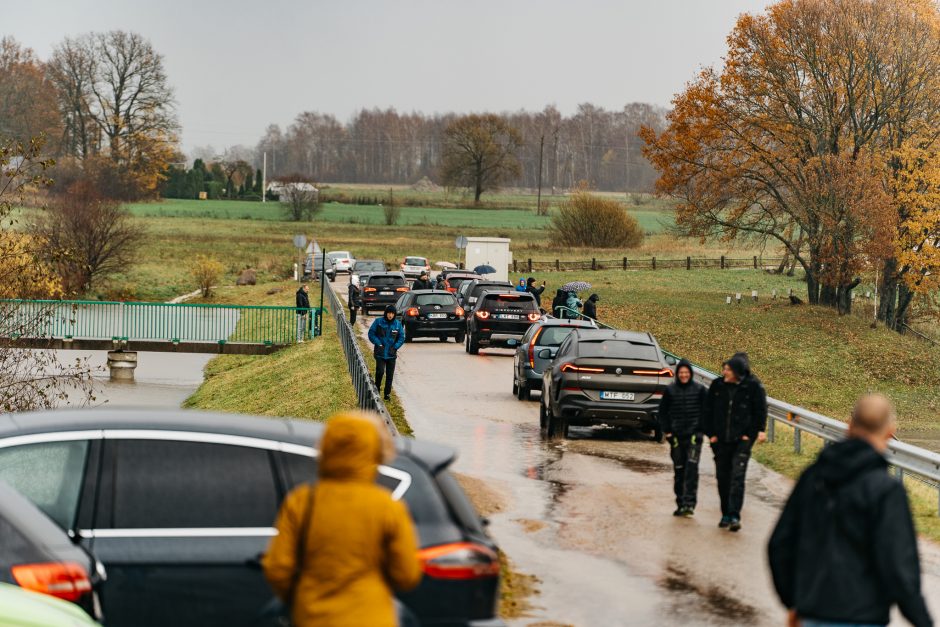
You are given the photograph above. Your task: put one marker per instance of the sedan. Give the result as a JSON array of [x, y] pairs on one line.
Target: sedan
[[179, 507], [536, 351], [604, 377], [431, 313]]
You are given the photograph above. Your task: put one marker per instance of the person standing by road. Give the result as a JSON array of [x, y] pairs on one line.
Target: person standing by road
[[522, 286], [558, 304], [302, 301], [573, 303], [343, 545], [387, 335], [590, 307], [680, 417], [845, 550], [422, 283], [735, 418], [354, 300], [535, 290]]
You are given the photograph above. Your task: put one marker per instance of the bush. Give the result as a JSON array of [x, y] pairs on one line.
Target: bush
[[586, 220], [206, 272], [392, 213]]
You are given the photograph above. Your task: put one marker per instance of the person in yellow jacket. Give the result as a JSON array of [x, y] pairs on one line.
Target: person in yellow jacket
[[359, 544]]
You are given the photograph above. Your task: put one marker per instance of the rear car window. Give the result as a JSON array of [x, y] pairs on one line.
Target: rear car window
[[510, 300], [48, 474], [620, 349], [416, 261], [435, 299], [338, 255], [553, 336], [377, 281]]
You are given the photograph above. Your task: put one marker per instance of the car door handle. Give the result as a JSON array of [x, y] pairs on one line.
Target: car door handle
[[255, 562]]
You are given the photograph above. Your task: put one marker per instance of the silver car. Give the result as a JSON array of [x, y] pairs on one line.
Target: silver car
[[537, 350], [342, 260]]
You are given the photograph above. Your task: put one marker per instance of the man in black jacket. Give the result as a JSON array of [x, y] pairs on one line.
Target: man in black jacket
[[535, 290], [844, 550], [422, 283], [590, 307], [735, 418], [303, 309], [354, 300], [680, 418]]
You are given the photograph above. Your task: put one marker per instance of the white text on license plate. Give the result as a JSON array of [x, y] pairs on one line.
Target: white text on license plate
[[385, 293], [617, 396], [508, 316], [435, 316]]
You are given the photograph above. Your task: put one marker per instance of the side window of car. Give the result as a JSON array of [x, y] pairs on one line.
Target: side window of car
[[172, 484], [49, 474]]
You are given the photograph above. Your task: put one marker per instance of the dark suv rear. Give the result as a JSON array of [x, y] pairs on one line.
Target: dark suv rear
[[469, 292], [431, 313], [500, 319], [383, 288]]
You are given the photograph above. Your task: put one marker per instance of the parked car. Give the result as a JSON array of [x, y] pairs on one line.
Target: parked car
[[364, 268], [470, 291], [431, 313], [530, 359], [500, 319], [21, 608], [343, 261], [313, 267], [383, 288], [35, 553], [412, 267], [179, 507], [604, 377], [456, 278]]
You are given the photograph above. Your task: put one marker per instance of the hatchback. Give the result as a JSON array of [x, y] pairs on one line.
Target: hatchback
[[604, 377], [178, 506], [531, 357], [431, 313], [413, 267], [383, 288], [500, 319]]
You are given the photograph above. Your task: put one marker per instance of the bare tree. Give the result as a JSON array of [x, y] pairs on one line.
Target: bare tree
[[299, 197], [480, 153]]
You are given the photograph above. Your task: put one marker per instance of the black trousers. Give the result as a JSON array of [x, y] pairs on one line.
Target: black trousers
[[685, 458], [386, 368], [352, 314], [731, 460]]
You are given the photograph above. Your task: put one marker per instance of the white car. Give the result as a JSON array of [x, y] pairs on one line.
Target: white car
[[342, 260], [413, 267]]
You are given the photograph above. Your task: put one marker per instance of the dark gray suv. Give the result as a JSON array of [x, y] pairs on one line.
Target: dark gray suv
[[537, 350]]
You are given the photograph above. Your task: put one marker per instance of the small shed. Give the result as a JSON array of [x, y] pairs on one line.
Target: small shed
[[491, 251]]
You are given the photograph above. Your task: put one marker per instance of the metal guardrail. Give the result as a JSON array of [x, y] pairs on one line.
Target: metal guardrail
[[133, 321], [366, 392], [908, 460]]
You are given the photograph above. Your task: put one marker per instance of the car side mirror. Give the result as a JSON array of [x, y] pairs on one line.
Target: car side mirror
[[545, 353], [511, 342], [671, 360]]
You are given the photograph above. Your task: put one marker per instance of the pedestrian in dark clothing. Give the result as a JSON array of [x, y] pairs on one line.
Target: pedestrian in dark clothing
[[535, 290], [680, 418], [387, 335], [844, 550], [590, 307], [560, 300], [354, 301], [302, 302], [735, 418], [441, 284], [422, 283]]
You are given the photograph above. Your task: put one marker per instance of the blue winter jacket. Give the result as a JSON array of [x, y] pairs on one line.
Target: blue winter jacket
[[387, 337]]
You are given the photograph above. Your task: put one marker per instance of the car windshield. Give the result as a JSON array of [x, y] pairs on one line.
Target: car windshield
[[416, 261], [553, 336], [380, 281], [619, 349], [370, 266], [435, 299]]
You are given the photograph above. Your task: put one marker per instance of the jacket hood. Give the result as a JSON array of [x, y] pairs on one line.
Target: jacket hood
[[740, 365], [351, 449], [594, 298], [684, 363], [840, 463], [390, 308], [562, 294]]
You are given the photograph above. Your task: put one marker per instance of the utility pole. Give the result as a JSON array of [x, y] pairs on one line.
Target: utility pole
[[264, 176], [538, 211]]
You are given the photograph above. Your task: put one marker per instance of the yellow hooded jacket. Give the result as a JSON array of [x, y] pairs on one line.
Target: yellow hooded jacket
[[360, 543]]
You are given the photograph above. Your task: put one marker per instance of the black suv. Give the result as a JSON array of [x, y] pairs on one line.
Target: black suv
[[179, 506], [470, 291], [604, 377], [382, 288], [500, 319], [431, 313]]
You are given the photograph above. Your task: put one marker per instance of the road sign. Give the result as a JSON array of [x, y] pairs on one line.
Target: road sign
[[300, 241], [460, 242]]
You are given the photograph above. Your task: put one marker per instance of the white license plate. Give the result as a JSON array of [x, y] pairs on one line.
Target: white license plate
[[508, 316], [436, 316], [617, 396], [385, 293]]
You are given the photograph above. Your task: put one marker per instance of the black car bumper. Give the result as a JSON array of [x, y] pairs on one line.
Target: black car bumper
[[496, 337], [421, 328], [379, 302], [583, 411]]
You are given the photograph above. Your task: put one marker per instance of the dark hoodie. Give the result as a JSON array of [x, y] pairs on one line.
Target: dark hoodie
[[680, 411], [560, 300], [734, 410], [844, 549], [590, 306]]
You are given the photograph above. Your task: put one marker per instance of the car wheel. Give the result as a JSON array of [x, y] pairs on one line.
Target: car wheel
[[473, 346], [542, 419], [515, 386], [333, 279], [523, 391], [460, 337], [443, 338]]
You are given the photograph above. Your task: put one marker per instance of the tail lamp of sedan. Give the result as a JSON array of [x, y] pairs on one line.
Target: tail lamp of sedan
[[66, 580], [459, 561]]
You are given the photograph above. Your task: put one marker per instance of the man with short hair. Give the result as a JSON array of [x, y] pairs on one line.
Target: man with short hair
[[680, 418], [422, 283], [535, 290], [387, 335], [844, 550], [302, 302]]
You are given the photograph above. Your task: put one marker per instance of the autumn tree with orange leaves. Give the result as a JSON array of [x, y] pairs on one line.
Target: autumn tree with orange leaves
[[796, 139]]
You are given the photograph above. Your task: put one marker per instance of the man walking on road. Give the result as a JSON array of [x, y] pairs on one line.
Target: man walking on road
[[735, 418], [353, 300], [303, 310], [422, 283], [680, 416], [387, 335], [845, 550]]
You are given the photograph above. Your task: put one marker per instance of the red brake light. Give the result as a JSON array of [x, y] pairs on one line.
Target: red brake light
[[532, 347], [369, 289], [413, 312], [569, 367], [482, 315], [459, 311], [66, 580], [460, 560], [665, 372], [402, 289], [533, 317]]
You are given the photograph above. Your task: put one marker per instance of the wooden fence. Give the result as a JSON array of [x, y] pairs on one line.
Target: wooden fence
[[647, 263]]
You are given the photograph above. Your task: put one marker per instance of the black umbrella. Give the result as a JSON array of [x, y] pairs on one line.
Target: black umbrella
[[484, 269], [576, 286]]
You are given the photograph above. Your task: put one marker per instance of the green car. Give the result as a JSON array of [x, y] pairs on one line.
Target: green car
[[21, 608]]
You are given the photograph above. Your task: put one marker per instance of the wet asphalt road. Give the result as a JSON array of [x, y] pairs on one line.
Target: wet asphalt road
[[591, 517]]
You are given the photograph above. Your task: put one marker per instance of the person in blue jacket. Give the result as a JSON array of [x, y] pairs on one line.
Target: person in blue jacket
[[523, 286], [387, 335]]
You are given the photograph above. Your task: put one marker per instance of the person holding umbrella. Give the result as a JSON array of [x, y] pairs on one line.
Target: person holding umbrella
[[572, 302]]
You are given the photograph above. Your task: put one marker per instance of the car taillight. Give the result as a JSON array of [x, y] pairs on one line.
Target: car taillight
[[402, 289], [459, 311], [369, 289], [413, 312], [534, 317], [569, 367], [66, 580], [665, 372], [460, 560], [532, 347], [658, 395], [482, 315]]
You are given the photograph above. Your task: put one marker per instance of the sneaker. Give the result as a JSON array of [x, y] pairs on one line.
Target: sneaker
[[387, 397], [735, 524], [688, 512], [725, 522], [678, 512]]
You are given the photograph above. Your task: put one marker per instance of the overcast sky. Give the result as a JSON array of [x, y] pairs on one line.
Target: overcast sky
[[237, 65]]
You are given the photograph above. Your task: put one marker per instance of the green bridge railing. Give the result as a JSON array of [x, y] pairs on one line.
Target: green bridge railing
[[130, 321]]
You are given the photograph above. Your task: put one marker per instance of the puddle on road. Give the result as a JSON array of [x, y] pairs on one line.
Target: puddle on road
[[718, 603]]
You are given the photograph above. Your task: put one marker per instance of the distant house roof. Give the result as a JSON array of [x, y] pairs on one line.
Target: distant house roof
[[278, 186]]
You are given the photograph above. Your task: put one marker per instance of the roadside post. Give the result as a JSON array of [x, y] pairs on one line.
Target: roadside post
[[300, 243], [318, 327]]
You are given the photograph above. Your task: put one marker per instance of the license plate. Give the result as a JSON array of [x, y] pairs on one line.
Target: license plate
[[508, 316], [385, 293], [617, 396], [436, 316]]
